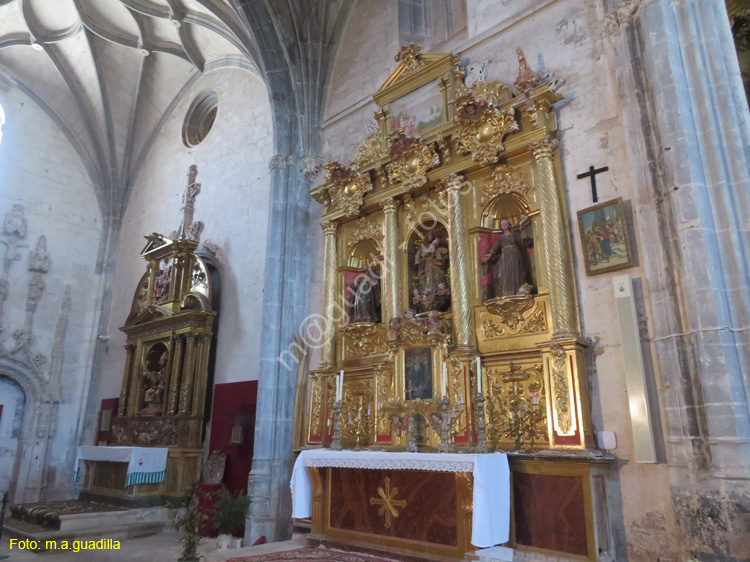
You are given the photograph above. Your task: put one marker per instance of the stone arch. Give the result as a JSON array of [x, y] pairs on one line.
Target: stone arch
[[25, 470]]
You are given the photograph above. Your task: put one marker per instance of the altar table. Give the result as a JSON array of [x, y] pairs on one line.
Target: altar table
[[146, 465], [365, 496]]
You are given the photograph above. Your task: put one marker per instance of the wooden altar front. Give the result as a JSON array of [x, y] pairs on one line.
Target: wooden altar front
[[447, 242], [445, 505]]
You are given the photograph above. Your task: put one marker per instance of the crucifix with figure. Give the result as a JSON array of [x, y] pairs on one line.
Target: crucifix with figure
[[592, 174]]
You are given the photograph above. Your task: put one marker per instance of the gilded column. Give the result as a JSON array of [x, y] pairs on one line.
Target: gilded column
[[186, 390], [122, 405], [391, 262], [327, 352], [556, 242], [174, 382], [460, 270]]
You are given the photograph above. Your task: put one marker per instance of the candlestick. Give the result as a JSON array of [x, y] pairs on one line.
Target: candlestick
[[444, 388], [336, 441], [479, 375]]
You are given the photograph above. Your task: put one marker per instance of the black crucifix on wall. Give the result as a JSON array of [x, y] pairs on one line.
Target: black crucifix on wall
[[592, 174]]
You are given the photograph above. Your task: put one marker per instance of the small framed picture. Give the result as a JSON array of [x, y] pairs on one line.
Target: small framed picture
[[418, 381], [605, 238]]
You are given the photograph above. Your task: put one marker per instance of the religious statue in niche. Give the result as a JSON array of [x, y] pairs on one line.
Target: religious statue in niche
[[431, 280], [163, 281], [365, 303], [509, 253], [155, 379], [418, 374]]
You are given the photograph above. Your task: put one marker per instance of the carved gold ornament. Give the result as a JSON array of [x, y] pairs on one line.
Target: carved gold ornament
[[510, 309], [505, 179], [516, 405], [316, 410], [388, 502], [408, 55], [561, 390], [346, 188], [361, 340], [410, 161], [370, 150], [483, 128], [365, 229]]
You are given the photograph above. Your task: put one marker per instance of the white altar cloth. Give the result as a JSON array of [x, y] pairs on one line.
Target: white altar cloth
[[146, 465], [490, 523]]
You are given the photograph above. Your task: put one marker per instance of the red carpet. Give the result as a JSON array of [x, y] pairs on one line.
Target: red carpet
[[309, 555]]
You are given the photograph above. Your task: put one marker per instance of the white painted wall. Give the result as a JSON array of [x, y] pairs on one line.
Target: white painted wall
[[233, 171], [40, 170], [564, 37]]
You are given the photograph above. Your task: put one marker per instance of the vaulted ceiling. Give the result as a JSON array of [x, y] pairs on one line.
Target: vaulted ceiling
[[109, 72]]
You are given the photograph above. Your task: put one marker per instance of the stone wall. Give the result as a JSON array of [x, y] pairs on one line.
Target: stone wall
[[233, 171], [41, 172], [564, 37]]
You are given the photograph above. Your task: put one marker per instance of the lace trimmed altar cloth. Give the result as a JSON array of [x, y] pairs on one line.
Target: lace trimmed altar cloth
[[490, 524], [146, 465]]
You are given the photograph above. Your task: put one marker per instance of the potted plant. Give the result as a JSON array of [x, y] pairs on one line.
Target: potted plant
[[229, 513], [190, 524]]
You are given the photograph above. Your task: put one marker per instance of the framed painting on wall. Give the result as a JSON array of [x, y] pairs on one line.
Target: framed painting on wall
[[605, 238]]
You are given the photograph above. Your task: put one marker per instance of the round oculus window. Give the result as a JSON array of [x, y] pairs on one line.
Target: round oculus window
[[200, 118]]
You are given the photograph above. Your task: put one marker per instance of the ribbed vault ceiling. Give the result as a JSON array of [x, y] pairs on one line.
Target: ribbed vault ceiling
[[110, 71]]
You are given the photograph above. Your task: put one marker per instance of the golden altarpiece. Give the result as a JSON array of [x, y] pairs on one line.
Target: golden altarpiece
[[447, 239], [167, 377]]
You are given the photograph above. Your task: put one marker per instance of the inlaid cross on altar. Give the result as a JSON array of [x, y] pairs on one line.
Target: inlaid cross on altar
[[387, 502], [592, 174]]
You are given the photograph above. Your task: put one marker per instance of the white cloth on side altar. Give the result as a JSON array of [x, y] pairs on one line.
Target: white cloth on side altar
[[490, 523], [146, 465]]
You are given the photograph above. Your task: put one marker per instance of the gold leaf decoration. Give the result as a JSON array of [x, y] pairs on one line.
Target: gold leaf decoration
[[505, 179], [410, 161]]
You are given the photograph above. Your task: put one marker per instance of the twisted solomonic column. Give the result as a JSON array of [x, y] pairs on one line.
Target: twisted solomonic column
[[460, 268], [391, 263], [556, 242], [327, 358]]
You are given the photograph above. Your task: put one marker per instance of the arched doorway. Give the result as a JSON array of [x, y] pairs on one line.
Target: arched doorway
[[12, 406]]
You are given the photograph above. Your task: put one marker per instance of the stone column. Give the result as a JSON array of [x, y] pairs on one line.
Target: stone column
[[556, 240], [188, 374], [460, 267], [330, 262], [687, 135], [174, 382], [123, 403], [392, 262]]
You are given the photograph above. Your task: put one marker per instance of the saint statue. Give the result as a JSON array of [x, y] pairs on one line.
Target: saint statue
[[156, 380], [366, 307], [433, 292], [507, 252]]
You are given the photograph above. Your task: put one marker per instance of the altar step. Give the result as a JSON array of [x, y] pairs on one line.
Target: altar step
[[77, 520], [503, 554]]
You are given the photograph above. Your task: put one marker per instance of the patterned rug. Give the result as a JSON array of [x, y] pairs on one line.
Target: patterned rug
[[310, 555]]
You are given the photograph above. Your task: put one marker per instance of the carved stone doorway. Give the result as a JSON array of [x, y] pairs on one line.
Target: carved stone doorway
[[12, 409]]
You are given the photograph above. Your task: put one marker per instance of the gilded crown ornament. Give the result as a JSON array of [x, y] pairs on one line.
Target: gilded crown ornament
[[483, 128], [346, 187], [410, 161]]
